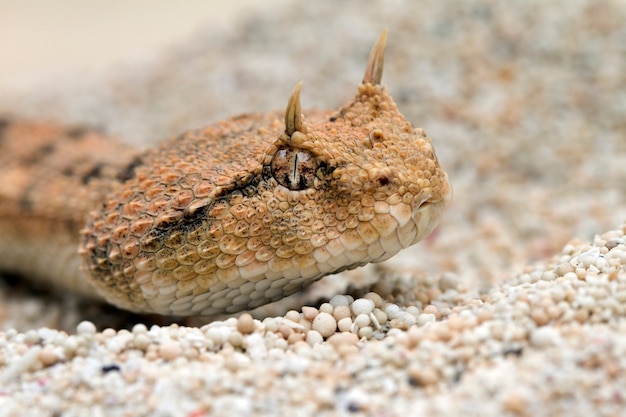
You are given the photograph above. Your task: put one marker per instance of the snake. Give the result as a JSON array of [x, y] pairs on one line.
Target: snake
[[221, 219]]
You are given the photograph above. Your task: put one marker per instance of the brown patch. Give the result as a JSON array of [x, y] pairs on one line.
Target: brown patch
[[40, 153], [77, 132], [94, 172], [25, 203], [68, 171], [128, 172], [4, 124]]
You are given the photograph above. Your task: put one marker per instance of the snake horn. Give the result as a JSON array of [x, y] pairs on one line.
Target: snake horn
[[374, 70], [293, 112]]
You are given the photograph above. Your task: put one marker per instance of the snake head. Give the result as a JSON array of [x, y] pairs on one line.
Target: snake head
[[377, 179]]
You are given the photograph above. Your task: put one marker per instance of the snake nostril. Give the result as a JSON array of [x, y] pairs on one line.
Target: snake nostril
[[383, 180]]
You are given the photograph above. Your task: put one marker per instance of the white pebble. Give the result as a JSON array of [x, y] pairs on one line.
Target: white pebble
[[377, 299], [345, 324], [406, 320], [170, 350], [341, 312], [362, 320], [362, 306], [325, 324], [544, 337], [380, 316], [326, 308], [313, 337], [366, 332], [426, 318], [86, 328], [392, 311], [339, 300]]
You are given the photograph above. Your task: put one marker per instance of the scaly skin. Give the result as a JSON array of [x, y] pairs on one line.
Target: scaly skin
[[221, 219]]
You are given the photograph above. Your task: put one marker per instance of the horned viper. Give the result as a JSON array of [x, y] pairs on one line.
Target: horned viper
[[221, 219]]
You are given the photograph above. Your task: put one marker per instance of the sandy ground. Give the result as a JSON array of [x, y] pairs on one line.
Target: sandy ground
[[514, 306]]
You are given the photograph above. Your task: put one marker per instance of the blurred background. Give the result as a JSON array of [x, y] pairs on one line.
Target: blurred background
[[39, 37]]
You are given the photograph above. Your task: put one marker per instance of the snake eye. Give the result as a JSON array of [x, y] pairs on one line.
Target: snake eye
[[294, 168]]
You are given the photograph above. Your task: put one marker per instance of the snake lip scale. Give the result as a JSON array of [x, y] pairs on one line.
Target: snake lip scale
[[221, 219]]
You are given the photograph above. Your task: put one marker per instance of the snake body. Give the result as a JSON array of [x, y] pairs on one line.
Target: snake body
[[221, 219]]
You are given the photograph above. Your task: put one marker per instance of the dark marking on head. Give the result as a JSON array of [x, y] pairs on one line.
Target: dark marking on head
[[188, 223], [94, 172], [128, 172], [193, 220]]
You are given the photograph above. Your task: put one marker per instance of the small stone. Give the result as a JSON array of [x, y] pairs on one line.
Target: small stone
[[455, 323], [310, 313], [345, 324], [325, 324], [362, 320], [544, 337], [377, 299], [140, 328], [313, 337], [362, 306], [581, 315], [293, 315], [515, 403], [326, 308], [403, 321], [380, 317], [170, 350], [105, 369], [47, 356], [339, 339], [366, 332], [339, 300], [422, 375], [295, 338], [106, 333], [141, 341], [245, 324], [271, 324], [341, 312], [285, 331], [392, 311], [426, 318], [236, 339], [31, 337], [86, 328]]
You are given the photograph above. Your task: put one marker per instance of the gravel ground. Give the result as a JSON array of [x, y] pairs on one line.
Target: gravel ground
[[516, 305]]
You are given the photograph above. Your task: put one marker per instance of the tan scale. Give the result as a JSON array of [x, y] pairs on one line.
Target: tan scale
[[222, 219]]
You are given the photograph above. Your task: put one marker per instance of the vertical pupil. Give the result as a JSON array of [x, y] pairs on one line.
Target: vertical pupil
[[294, 168], [294, 172]]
